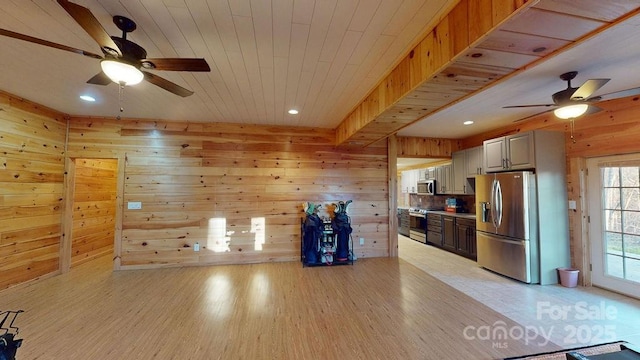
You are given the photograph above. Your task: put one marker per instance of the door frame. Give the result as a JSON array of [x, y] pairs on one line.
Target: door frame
[[67, 217], [596, 244]]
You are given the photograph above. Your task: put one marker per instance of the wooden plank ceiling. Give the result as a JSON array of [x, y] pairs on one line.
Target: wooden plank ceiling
[[266, 56], [477, 45]]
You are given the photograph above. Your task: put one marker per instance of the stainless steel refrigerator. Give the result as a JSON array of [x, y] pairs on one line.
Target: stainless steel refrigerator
[[506, 224]]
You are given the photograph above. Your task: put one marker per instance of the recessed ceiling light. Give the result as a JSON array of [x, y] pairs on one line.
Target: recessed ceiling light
[[293, 111], [468, 122], [87, 98]]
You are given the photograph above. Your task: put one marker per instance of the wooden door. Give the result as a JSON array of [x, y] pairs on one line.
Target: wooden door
[[94, 209]]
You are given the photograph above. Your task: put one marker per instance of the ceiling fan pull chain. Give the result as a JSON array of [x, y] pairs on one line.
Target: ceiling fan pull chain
[[573, 139], [120, 98]]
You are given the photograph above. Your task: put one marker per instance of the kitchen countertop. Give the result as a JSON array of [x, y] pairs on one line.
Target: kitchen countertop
[[446, 213]]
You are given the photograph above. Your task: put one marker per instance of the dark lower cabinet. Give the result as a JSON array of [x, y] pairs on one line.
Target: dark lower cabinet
[[403, 223], [434, 229], [434, 238], [452, 233], [466, 237], [449, 233]]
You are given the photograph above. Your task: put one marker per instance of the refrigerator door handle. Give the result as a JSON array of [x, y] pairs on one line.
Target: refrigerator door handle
[[498, 202], [495, 204]]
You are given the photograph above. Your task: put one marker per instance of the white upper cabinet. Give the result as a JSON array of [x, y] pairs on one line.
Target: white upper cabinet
[[430, 173], [520, 150], [443, 179], [513, 152], [404, 182], [409, 181], [474, 161], [459, 172], [423, 175]]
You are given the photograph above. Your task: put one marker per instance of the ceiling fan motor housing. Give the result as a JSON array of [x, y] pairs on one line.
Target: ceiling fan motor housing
[[118, 51], [132, 53], [564, 96]]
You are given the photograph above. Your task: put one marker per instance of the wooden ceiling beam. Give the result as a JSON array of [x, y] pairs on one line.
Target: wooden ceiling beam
[[467, 22], [478, 44]]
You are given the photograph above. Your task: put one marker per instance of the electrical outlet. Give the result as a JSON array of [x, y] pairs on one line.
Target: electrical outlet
[[196, 247], [361, 241], [134, 205]]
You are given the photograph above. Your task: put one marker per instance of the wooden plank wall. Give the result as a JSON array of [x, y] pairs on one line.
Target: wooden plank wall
[[415, 147], [94, 209], [236, 190], [32, 143]]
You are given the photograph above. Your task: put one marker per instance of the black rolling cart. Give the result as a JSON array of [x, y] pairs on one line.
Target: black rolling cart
[[326, 242], [8, 332]]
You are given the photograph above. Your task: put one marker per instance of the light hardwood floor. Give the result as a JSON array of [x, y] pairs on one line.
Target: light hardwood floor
[[569, 317], [376, 309]]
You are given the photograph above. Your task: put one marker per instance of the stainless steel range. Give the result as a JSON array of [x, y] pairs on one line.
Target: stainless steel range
[[418, 224]]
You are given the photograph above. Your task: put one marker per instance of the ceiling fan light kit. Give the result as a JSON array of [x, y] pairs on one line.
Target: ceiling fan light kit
[[571, 102], [571, 111], [121, 73], [123, 61]]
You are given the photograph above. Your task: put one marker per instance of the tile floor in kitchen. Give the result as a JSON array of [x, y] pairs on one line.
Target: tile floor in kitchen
[[569, 317]]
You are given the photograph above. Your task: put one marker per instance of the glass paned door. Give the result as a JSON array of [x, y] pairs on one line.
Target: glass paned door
[[614, 231], [621, 203]]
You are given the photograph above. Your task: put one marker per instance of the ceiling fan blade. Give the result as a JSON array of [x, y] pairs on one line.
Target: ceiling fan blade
[[589, 87], [100, 79], [526, 106], [91, 25], [534, 115], [618, 94], [592, 110], [34, 40], [166, 84], [176, 64]]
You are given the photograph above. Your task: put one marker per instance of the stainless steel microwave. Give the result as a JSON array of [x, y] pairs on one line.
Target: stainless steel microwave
[[427, 187]]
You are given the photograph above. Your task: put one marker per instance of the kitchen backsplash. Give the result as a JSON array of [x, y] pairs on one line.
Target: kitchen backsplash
[[439, 201]]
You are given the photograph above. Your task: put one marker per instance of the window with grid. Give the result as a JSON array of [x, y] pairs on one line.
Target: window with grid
[[621, 221]]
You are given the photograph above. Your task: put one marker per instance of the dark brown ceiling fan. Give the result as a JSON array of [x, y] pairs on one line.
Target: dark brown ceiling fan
[[573, 102], [123, 61]]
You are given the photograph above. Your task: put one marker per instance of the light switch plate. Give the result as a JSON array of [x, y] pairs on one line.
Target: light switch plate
[[134, 205], [572, 205]]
